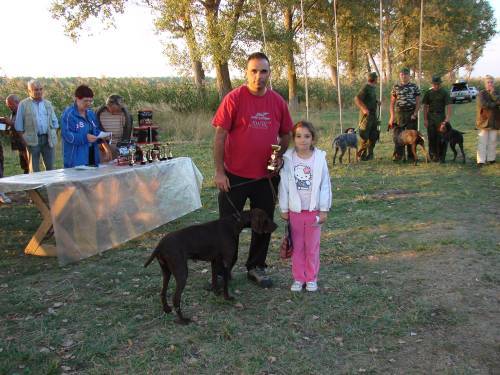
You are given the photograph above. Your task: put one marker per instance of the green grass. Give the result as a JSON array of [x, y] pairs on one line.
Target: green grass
[[408, 282]]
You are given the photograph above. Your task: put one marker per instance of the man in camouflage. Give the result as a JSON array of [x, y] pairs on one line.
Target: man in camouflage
[[366, 101], [437, 108], [405, 104]]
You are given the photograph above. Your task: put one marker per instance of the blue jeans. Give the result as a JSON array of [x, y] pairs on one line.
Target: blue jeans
[[47, 152]]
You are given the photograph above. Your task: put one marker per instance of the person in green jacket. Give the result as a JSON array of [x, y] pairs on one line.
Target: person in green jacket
[[437, 109], [367, 102]]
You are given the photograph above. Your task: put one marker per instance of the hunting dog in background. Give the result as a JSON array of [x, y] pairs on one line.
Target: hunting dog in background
[[343, 142], [215, 241], [402, 137], [452, 137]]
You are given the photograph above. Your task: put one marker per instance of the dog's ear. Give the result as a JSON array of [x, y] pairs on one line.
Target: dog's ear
[[257, 220]]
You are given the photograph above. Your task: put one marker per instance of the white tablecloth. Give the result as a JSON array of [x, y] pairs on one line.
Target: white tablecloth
[[95, 210]]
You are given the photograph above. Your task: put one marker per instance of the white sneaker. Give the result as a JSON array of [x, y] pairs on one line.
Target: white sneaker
[[296, 286], [311, 286], [4, 199]]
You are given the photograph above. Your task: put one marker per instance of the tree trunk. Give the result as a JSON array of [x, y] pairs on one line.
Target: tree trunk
[[223, 78], [293, 100], [388, 60], [198, 77], [194, 54], [351, 65], [333, 74]]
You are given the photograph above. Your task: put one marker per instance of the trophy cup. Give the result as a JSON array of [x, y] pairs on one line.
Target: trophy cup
[[155, 153], [169, 156], [150, 154], [131, 155], [272, 164], [143, 156]]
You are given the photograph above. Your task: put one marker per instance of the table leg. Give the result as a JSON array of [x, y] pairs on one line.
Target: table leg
[[35, 246]]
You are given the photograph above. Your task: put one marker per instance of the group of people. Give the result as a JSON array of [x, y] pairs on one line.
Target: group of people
[[404, 108], [33, 128], [249, 120]]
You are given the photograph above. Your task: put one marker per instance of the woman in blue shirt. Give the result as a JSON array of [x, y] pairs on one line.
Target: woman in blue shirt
[[80, 128]]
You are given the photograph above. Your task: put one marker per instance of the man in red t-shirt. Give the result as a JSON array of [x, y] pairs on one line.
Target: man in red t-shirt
[[249, 120]]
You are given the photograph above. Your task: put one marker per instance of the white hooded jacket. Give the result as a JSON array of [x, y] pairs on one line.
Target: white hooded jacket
[[321, 193]]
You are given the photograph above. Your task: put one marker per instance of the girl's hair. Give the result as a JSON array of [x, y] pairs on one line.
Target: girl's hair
[[306, 125], [83, 91]]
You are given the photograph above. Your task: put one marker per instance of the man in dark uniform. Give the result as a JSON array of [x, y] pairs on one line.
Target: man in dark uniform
[[366, 101], [437, 108], [405, 104]]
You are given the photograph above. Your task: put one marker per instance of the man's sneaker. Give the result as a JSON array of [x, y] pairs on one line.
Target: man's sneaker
[[311, 286], [4, 199], [258, 275], [296, 286]]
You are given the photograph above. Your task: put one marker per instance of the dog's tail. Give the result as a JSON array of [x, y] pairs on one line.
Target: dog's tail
[[153, 255]]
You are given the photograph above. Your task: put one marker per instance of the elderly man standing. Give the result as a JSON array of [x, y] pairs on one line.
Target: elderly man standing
[[437, 108], [37, 122], [487, 122], [366, 101], [404, 107]]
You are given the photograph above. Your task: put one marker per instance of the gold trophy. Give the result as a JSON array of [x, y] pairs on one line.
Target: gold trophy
[[273, 163]]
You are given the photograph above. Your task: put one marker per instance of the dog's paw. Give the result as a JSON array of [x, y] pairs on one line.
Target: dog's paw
[[183, 321]]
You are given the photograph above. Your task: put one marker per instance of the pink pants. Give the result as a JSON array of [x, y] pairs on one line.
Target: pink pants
[[306, 235]]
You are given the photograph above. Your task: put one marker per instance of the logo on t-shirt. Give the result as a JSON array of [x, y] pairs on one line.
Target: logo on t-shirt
[[303, 177], [261, 120]]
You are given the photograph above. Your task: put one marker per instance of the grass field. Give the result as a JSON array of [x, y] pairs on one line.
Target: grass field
[[409, 282]]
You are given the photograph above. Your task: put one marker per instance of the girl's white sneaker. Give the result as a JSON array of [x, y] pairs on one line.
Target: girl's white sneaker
[[311, 286], [296, 286]]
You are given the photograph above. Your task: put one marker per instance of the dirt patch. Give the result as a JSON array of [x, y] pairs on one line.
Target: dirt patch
[[463, 331]]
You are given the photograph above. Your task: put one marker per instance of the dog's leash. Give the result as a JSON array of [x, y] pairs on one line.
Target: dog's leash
[[273, 191]]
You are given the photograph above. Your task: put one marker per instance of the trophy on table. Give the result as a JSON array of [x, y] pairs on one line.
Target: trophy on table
[[169, 155], [273, 164]]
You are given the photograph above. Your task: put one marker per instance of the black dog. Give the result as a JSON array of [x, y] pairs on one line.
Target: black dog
[[452, 137], [215, 241]]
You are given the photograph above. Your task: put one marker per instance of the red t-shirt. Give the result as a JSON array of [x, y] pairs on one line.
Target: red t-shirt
[[253, 124]]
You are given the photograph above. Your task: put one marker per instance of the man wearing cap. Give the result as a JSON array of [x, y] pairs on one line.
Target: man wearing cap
[[437, 109], [366, 101], [405, 103]]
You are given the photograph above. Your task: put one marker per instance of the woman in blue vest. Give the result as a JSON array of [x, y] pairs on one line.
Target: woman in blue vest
[[80, 128]]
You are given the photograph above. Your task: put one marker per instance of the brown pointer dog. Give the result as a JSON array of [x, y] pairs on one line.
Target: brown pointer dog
[[410, 137], [215, 241]]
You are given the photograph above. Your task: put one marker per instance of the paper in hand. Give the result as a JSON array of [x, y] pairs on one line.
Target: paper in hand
[[104, 135]]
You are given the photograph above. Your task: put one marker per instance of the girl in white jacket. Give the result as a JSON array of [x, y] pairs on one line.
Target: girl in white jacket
[[305, 197]]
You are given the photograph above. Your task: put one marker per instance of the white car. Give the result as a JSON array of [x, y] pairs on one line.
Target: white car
[[460, 92], [473, 92]]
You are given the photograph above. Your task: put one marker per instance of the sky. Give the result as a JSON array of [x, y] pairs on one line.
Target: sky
[[35, 45]]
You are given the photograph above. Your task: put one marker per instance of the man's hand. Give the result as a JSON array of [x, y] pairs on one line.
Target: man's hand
[[91, 138], [322, 217], [366, 112], [391, 121], [6, 121], [285, 216], [413, 116], [221, 181]]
